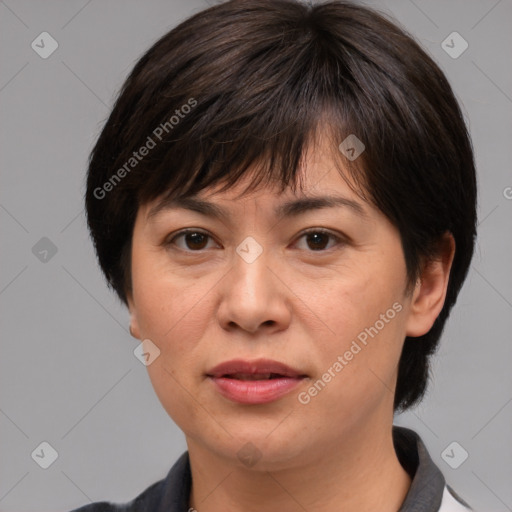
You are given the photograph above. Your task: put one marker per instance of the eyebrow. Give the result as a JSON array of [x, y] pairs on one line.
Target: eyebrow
[[292, 208]]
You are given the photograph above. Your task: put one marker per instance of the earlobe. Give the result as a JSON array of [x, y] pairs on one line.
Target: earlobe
[[134, 325], [430, 291]]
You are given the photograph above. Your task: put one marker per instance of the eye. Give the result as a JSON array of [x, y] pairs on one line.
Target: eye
[[317, 239], [193, 240]]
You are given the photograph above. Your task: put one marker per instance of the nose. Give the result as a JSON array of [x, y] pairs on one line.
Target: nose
[[254, 298]]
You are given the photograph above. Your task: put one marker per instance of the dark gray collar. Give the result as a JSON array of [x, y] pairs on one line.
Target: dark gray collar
[[427, 486], [425, 493]]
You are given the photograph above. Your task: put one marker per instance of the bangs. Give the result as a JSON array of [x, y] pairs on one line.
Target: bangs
[[263, 123], [271, 161]]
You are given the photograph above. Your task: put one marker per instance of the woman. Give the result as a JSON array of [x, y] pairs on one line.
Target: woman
[[284, 197]]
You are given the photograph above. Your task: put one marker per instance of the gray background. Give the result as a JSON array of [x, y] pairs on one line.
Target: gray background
[[68, 373]]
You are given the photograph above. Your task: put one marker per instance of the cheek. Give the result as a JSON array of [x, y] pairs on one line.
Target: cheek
[[357, 372], [168, 303], [175, 317], [366, 320], [173, 312], [174, 392], [350, 304]]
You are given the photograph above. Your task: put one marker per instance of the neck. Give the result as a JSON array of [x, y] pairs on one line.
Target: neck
[[353, 474]]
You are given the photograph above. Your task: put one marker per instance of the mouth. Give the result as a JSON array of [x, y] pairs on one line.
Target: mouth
[[258, 369], [254, 382]]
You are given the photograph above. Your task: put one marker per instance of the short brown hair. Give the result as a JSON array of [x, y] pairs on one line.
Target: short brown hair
[[252, 81]]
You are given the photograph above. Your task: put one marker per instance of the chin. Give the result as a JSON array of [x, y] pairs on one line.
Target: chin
[[263, 449]]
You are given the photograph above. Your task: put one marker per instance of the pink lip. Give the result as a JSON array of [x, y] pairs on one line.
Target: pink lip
[[254, 391]]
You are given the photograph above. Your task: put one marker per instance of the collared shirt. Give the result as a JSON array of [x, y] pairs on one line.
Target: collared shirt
[[428, 491]]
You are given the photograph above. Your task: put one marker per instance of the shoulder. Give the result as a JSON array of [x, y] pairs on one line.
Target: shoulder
[[167, 495], [146, 501]]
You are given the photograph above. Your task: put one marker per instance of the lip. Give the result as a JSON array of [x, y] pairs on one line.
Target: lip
[[254, 391]]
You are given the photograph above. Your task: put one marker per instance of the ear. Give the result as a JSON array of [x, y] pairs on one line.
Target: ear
[[134, 324], [430, 290]]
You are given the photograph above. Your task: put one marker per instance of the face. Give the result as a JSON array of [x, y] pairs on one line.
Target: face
[[319, 289]]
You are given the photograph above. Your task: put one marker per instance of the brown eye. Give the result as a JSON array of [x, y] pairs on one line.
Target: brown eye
[[192, 240], [319, 240]]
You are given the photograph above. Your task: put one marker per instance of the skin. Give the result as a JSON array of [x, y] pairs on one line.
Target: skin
[[202, 304]]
